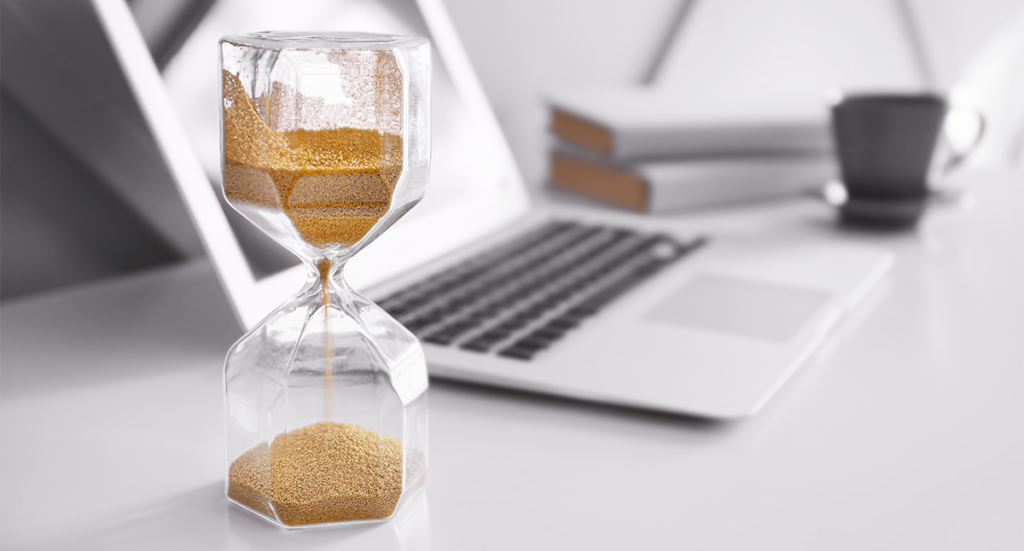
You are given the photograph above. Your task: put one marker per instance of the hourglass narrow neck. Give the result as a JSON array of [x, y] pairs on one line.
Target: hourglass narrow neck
[[325, 274]]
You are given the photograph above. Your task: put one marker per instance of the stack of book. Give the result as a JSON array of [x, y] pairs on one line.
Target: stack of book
[[649, 150]]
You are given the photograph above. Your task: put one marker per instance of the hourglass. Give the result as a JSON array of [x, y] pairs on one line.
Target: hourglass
[[325, 146]]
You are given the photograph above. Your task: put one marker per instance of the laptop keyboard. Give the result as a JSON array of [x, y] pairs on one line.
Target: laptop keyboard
[[519, 298]]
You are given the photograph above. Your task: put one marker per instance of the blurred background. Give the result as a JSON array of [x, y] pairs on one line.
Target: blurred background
[[84, 194]]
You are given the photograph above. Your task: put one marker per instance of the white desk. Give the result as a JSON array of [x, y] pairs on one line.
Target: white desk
[[905, 432]]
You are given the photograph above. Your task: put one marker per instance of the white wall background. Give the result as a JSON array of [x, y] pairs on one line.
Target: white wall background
[[522, 49]]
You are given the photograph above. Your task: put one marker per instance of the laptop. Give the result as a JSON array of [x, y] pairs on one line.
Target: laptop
[[581, 303]]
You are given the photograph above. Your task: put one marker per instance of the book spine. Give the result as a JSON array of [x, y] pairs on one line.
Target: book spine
[[581, 131], [636, 143], [618, 187], [673, 185]]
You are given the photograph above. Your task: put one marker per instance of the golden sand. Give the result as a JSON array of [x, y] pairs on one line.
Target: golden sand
[[333, 184], [325, 472]]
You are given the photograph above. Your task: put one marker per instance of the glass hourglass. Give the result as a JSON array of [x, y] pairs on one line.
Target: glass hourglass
[[325, 145]]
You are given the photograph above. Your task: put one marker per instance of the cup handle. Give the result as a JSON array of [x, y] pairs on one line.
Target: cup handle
[[957, 158]]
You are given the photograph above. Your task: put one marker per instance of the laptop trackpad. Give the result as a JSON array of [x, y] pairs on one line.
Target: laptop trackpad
[[741, 307]]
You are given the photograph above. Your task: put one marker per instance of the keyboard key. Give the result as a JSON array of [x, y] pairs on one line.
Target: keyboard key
[[443, 339], [546, 333], [478, 345], [563, 322], [494, 335], [579, 312], [511, 325], [451, 332], [526, 317], [419, 323], [517, 353], [530, 343]]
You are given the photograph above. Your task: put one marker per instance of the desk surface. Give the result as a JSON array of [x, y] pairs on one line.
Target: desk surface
[[906, 431]]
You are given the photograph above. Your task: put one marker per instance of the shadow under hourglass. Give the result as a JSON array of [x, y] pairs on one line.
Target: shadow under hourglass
[[202, 519]]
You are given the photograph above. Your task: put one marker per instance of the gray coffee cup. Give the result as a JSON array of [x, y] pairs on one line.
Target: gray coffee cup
[[885, 144]]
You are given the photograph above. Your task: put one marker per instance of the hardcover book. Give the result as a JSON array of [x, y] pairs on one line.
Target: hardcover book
[[643, 123], [671, 184]]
